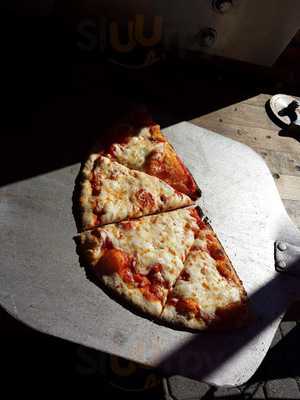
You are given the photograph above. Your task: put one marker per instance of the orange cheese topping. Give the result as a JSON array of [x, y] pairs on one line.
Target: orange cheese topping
[[117, 261]]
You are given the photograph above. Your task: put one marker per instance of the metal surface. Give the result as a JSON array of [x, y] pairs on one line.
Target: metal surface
[[286, 109], [287, 258], [42, 284], [248, 30], [254, 31]]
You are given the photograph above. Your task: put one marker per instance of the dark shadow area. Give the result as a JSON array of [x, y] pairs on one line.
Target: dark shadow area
[[65, 127], [32, 361], [78, 370], [293, 131], [76, 210], [282, 360], [290, 111], [57, 101], [293, 313], [62, 133]]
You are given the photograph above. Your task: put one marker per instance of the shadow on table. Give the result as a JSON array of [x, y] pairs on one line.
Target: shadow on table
[[56, 101], [61, 129], [292, 131], [28, 356], [283, 358]]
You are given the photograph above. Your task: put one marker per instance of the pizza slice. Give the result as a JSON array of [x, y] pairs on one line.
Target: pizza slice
[[111, 192], [141, 259], [208, 293], [147, 149]]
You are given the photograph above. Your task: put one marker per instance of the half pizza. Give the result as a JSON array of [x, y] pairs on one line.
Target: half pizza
[[170, 266]]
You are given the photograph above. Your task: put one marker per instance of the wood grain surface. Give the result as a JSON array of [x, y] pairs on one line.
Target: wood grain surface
[[248, 123]]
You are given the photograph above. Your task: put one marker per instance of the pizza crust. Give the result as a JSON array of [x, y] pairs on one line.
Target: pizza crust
[[237, 319]]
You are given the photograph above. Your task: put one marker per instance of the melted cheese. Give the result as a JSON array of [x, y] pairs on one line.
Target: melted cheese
[[134, 153], [161, 239], [124, 193], [206, 286], [134, 295], [167, 239]]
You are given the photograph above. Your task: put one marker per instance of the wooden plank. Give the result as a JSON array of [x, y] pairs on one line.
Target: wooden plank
[[240, 115], [280, 162], [250, 112], [259, 100], [252, 136], [248, 123], [244, 115], [293, 209], [288, 187]]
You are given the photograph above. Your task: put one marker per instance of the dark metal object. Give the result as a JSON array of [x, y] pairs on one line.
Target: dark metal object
[[247, 30], [206, 37], [222, 6], [290, 108], [284, 110], [287, 258]]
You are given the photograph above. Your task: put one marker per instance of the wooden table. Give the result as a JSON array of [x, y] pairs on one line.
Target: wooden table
[[248, 123]]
